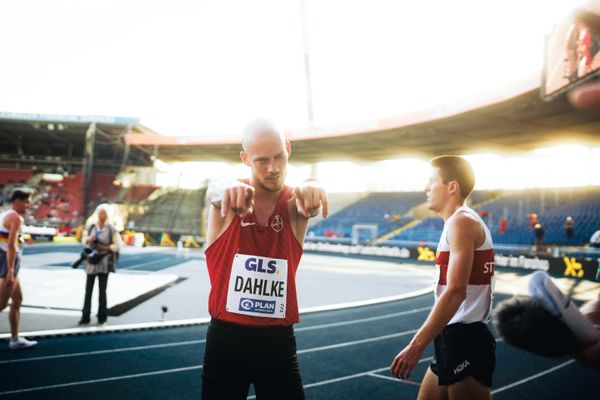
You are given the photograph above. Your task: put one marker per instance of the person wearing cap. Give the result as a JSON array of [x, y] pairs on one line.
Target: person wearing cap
[[103, 238], [11, 222]]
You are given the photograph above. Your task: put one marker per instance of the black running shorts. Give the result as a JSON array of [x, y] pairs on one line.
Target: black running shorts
[[237, 356], [463, 350]]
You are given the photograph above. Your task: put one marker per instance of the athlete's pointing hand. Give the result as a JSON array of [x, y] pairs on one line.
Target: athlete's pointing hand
[[310, 196], [239, 198]]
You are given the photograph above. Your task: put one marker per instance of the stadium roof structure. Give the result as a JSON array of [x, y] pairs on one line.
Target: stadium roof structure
[[51, 141], [503, 123]]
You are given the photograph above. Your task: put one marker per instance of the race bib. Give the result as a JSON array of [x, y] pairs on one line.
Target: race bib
[[257, 286]]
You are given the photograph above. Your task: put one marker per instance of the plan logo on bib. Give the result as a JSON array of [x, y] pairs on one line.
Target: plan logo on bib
[[257, 306], [277, 223]]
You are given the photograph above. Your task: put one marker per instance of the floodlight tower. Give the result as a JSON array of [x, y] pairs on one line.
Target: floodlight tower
[[309, 101]]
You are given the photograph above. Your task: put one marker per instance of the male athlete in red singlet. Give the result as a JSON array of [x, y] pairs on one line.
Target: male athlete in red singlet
[[255, 235], [464, 347]]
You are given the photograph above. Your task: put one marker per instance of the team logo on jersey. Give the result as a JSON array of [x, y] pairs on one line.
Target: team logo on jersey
[[277, 223]]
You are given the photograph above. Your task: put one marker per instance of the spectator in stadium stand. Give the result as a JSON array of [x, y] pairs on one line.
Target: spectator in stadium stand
[[502, 225], [256, 230], [11, 222], [569, 227], [533, 219], [538, 231], [106, 241], [595, 239]]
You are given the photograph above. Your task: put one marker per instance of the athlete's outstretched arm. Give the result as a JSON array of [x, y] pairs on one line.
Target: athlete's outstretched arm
[[310, 197], [231, 195], [227, 197], [306, 202], [462, 236]]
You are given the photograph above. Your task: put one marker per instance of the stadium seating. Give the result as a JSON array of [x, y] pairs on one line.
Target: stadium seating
[[103, 189], [386, 210], [11, 175], [551, 205], [135, 193], [173, 211], [58, 202]]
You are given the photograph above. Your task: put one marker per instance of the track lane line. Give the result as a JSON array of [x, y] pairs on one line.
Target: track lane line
[[355, 342], [532, 377], [389, 378], [309, 350], [191, 342], [205, 320], [114, 378], [361, 320], [97, 352]]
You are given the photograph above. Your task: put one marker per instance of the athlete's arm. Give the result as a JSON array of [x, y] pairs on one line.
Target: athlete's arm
[[463, 233], [231, 195], [227, 197], [310, 196], [307, 201], [14, 225]]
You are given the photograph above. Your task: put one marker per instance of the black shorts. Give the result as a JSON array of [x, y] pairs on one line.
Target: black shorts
[[4, 266], [237, 356], [463, 350]]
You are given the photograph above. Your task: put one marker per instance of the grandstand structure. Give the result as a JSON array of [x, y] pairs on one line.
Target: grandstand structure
[[74, 163], [508, 121], [91, 153], [177, 212]]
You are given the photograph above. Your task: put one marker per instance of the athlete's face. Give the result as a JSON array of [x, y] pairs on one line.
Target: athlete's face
[[21, 206], [436, 190], [267, 156]]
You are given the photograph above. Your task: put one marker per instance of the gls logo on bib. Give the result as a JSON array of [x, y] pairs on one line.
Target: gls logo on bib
[[256, 264]]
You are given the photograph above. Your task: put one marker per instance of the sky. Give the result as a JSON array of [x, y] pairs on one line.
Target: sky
[[197, 68], [207, 68]]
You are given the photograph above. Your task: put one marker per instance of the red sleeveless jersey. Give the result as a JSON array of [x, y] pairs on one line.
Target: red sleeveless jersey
[[252, 270]]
